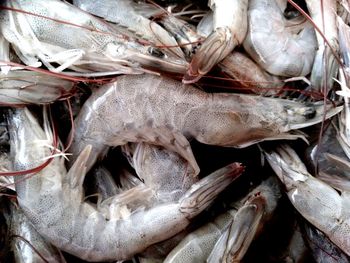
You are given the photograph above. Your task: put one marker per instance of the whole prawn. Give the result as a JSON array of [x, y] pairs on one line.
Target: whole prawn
[[127, 14], [53, 200], [278, 50], [54, 31], [165, 112], [319, 203]]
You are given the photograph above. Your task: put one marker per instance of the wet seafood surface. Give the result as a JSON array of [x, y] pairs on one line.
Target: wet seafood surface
[[174, 131]]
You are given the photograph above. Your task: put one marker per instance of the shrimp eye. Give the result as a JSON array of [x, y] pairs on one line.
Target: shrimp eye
[[156, 52], [308, 112]]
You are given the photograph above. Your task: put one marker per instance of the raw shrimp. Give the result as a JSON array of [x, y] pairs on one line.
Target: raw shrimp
[[83, 43], [276, 49], [29, 87], [53, 200], [161, 111], [230, 29], [125, 13], [325, 66], [21, 227], [316, 201], [254, 209]]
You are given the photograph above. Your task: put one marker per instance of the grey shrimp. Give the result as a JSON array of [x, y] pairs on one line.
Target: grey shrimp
[[84, 43], [316, 201], [127, 14], [165, 112], [53, 200], [278, 50]]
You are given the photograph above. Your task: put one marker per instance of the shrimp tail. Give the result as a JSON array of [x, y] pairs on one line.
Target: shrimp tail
[[235, 241], [206, 190], [215, 48], [77, 172]]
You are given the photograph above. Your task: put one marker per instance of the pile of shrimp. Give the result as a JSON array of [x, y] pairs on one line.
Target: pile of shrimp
[[175, 131]]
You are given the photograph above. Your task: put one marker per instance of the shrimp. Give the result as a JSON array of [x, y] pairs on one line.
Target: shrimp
[[125, 14], [161, 170], [325, 66], [83, 43], [316, 201], [39, 251], [276, 49], [228, 232], [53, 200], [230, 29], [29, 87], [161, 111]]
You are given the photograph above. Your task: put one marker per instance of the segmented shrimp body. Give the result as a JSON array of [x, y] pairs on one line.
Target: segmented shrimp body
[[316, 201], [278, 50], [165, 112], [53, 31], [53, 200]]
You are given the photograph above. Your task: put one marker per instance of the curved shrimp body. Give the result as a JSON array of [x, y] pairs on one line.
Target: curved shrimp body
[[21, 227], [165, 112], [325, 66], [230, 29], [316, 201], [278, 50], [123, 13], [53, 200], [29, 87], [57, 32], [163, 171]]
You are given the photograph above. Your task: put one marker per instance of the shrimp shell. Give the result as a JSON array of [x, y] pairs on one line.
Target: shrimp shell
[[165, 112]]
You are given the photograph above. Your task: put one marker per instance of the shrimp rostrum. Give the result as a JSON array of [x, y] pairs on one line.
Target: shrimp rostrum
[[53, 200], [165, 112]]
